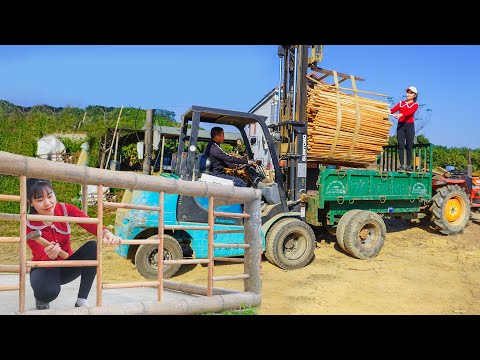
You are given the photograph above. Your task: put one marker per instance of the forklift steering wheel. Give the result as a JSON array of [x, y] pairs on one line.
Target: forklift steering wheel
[[242, 166]]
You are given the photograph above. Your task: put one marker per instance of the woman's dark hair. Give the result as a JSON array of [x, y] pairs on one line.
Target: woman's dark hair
[[35, 188]]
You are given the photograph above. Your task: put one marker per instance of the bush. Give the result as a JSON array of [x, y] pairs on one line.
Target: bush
[[9, 185], [72, 146]]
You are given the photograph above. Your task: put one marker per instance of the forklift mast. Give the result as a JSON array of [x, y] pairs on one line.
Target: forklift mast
[[292, 116]]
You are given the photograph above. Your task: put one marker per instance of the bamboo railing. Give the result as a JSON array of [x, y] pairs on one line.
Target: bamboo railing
[[16, 165]]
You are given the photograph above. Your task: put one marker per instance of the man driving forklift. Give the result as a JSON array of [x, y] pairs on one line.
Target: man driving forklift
[[219, 159]]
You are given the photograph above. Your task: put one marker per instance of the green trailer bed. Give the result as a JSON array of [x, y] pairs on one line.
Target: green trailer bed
[[382, 190]]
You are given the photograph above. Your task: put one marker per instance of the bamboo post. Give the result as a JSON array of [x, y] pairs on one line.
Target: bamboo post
[[61, 263], [104, 149], [14, 164], [116, 151], [82, 121], [358, 118], [161, 156], [161, 219], [99, 243], [252, 254], [113, 138], [9, 239], [147, 160], [211, 225], [23, 242], [85, 198], [13, 198]]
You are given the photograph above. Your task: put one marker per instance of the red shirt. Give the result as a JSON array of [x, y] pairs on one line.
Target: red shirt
[[58, 231], [407, 111]]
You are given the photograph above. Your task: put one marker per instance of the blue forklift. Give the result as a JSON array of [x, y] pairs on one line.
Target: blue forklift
[[292, 241]]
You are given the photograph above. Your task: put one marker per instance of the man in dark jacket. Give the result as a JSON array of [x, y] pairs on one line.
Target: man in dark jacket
[[219, 159]]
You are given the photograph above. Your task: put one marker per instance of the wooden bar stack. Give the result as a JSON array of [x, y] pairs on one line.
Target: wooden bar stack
[[344, 129]]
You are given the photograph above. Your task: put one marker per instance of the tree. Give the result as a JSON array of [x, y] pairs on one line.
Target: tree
[[422, 140], [392, 140], [166, 114], [422, 118]]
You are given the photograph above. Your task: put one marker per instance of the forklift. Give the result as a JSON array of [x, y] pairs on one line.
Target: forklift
[[301, 199], [290, 244]]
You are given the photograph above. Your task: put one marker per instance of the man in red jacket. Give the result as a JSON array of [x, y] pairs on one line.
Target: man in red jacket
[[406, 126], [46, 282]]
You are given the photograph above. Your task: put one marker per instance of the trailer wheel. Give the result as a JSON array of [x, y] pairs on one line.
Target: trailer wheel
[[341, 227], [290, 244], [450, 209], [146, 258], [364, 234]]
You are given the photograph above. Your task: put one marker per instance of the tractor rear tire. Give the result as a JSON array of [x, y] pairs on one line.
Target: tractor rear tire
[[365, 234], [290, 244], [341, 227], [450, 210], [146, 258]]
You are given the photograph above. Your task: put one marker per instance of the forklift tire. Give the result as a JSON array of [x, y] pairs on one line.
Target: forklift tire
[[364, 234], [146, 260], [450, 209], [290, 244], [341, 227]]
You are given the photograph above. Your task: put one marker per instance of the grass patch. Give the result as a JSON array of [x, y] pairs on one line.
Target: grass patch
[[249, 310]]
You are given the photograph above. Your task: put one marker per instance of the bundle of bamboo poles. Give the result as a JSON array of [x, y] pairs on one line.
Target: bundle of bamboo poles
[[345, 129]]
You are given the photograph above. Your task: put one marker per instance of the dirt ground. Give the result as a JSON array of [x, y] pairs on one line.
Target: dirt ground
[[418, 271]]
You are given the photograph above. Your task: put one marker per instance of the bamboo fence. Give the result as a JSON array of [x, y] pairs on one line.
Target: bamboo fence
[[345, 129]]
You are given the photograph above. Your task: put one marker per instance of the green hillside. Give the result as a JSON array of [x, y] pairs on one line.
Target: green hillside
[[21, 127]]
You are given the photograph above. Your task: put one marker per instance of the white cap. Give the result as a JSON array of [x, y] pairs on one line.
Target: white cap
[[412, 89]]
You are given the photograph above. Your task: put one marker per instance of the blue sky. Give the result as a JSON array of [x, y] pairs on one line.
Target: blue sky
[[236, 77]]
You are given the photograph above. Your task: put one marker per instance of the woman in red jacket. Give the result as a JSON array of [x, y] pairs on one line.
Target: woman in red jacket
[[406, 126], [46, 282]]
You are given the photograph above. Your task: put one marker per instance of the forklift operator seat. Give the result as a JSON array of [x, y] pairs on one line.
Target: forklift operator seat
[[202, 165]]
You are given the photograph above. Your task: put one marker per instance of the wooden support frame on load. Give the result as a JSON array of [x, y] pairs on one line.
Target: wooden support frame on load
[[342, 77]]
